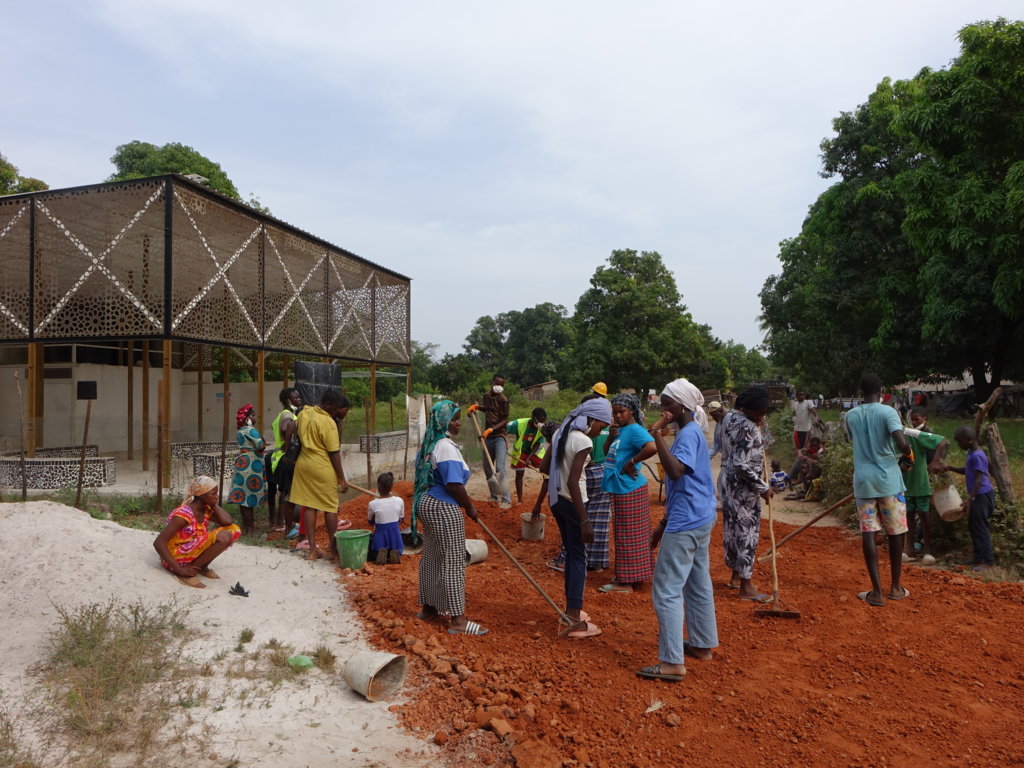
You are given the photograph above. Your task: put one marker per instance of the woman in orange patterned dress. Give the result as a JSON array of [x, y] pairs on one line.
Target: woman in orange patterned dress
[[196, 532]]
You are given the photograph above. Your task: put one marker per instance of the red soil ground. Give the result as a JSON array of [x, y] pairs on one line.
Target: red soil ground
[[932, 680]]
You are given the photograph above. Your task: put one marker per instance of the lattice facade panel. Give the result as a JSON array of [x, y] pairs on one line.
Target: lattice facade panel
[[350, 307], [99, 262], [15, 241], [217, 294], [296, 270], [391, 308]]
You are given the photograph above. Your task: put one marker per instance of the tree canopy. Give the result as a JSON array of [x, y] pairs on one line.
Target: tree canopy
[[911, 264], [12, 182]]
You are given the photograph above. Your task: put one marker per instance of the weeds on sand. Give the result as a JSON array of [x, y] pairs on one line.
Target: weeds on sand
[[110, 669], [324, 658], [12, 751]]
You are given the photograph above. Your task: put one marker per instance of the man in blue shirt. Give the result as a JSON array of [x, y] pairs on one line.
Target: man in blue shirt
[[877, 483], [682, 576]]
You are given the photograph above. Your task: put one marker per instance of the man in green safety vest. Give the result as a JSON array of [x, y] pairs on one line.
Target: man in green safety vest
[[284, 432], [528, 445]]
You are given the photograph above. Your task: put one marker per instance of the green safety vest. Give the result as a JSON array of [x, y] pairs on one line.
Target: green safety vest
[[275, 457], [517, 444]]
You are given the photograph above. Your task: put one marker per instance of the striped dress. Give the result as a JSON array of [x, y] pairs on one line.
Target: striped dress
[[442, 572]]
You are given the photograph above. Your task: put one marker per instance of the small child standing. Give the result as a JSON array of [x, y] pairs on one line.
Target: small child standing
[[386, 514], [981, 499], [778, 478]]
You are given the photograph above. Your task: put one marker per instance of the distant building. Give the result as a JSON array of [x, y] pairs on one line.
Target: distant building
[[541, 391]]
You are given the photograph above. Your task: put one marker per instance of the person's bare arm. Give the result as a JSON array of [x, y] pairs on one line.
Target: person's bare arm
[[650, 448], [938, 460], [160, 545], [575, 473], [459, 493], [222, 517], [901, 442], [339, 471], [674, 468]]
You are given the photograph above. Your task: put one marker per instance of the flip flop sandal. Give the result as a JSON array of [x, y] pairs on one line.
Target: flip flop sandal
[[190, 581], [592, 630], [760, 597], [471, 628], [302, 545], [584, 616], [732, 586], [904, 596], [209, 573], [431, 617], [615, 588], [344, 525], [654, 672], [870, 601]]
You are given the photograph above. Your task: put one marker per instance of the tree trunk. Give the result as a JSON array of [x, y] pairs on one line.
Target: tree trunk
[[1000, 467]]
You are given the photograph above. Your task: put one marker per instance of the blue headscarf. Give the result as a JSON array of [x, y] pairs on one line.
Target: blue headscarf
[[597, 408], [441, 416]]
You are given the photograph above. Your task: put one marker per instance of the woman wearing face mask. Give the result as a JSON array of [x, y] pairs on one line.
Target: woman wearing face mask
[[495, 409], [248, 485], [439, 499], [567, 497]]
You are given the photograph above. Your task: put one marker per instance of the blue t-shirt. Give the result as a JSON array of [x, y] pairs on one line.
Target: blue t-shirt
[[630, 440], [875, 471], [977, 464], [449, 467], [690, 500]]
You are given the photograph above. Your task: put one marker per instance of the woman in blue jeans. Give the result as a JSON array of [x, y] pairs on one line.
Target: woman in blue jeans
[[682, 579], [567, 497]]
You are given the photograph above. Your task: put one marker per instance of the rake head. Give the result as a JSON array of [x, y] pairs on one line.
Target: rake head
[[777, 609]]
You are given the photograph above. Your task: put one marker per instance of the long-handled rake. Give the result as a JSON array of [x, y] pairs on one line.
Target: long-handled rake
[[566, 620], [776, 547], [777, 608]]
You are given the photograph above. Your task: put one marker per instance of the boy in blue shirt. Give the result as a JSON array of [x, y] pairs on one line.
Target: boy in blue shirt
[[682, 575], [981, 499]]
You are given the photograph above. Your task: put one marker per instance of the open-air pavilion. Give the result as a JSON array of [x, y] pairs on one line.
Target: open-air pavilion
[[145, 287]]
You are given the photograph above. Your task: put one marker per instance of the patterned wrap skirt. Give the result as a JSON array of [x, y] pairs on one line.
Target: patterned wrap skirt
[[632, 515], [599, 511], [248, 486], [443, 560]]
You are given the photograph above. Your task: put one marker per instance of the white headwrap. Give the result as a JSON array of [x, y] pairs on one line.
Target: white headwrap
[[688, 396]]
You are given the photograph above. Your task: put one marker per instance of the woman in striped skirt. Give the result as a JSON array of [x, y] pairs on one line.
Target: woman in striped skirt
[[631, 502], [440, 499]]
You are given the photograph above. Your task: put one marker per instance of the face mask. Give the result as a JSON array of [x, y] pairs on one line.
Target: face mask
[[497, 389]]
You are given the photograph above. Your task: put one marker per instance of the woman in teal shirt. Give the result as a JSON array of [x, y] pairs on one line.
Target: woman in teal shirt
[[634, 563]]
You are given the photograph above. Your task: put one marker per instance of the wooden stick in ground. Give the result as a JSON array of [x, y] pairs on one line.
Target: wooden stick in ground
[[81, 460], [561, 614], [21, 437], [775, 548]]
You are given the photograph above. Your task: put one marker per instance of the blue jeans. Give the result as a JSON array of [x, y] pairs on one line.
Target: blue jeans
[[682, 585], [498, 449], [575, 552]]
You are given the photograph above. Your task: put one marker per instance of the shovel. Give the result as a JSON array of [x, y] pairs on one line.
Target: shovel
[[492, 482], [567, 621]]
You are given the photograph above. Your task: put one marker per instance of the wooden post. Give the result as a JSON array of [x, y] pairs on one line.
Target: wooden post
[[391, 405], [35, 415], [165, 408], [1000, 467], [81, 460], [21, 436], [408, 394], [371, 423], [227, 415], [261, 365], [979, 417], [131, 400], [145, 406], [161, 387], [199, 392]]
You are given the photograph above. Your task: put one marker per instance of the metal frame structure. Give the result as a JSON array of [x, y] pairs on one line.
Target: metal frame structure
[[167, 260]]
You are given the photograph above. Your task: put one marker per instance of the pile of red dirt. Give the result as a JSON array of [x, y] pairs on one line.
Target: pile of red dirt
[[931, 680]]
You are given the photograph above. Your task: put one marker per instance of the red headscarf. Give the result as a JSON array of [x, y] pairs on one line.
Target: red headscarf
[[244, 413]]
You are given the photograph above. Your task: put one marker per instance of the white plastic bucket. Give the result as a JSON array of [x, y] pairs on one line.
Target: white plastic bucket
[[476, 551], [374, 674], [533, 530], [948, 503]]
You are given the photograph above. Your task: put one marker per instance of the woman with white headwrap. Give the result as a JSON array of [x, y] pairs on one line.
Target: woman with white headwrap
[[189, 543], [681, 587]]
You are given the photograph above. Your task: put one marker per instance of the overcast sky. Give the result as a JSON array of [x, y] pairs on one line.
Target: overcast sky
[[494, 153]]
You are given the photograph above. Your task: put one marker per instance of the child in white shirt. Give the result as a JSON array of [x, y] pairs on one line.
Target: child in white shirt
[[387, 515]]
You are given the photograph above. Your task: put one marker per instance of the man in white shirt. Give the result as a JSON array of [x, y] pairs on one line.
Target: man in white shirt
[[803, 413]]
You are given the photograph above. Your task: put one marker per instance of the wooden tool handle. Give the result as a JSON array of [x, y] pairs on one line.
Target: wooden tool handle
[[805, 526], [367, 491], [483, 444]]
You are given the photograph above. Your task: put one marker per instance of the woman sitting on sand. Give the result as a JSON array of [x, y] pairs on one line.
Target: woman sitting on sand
[[189, 543]]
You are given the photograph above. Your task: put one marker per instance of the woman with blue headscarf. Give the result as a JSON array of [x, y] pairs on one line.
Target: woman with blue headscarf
[[567, 497], [439, 500]]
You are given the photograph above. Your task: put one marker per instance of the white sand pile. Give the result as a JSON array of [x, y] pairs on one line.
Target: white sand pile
[[55, 555]]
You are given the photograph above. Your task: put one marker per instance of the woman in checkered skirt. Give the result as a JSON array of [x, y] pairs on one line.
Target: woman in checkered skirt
[[440, 499], [631, 502]]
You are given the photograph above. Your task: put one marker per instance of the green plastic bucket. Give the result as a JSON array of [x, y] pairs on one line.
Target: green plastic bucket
[[353, 546]]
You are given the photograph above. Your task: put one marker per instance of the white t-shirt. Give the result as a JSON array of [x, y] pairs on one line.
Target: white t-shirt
[[575, 442], [802, 415], [387, 510]]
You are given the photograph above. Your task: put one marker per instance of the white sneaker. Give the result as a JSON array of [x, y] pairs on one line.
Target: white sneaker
[[505, 505], [906, 558], [928, 560]]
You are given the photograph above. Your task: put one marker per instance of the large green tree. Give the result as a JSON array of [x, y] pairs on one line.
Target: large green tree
[[907, 264], [12, 182], [539, 338], [631, 327]]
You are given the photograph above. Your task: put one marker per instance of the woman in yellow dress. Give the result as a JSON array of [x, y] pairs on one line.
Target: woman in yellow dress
[[318, 471]]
